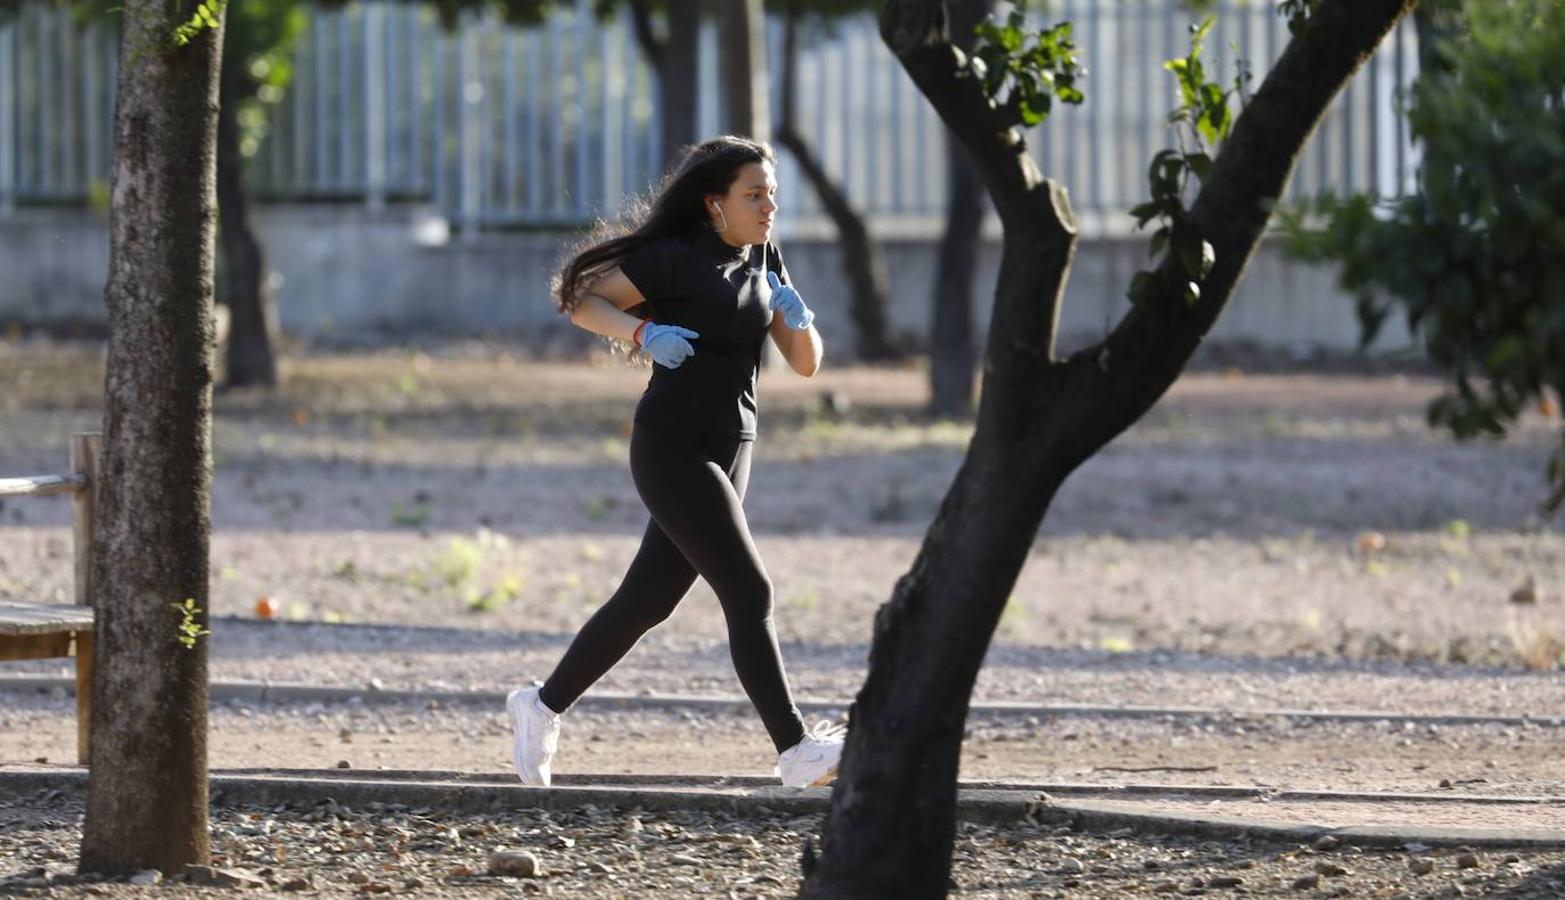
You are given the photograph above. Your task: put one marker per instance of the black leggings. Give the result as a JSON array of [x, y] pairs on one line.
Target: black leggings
[[693, 485]]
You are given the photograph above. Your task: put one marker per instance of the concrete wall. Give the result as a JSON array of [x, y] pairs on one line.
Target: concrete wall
[[341, 274]]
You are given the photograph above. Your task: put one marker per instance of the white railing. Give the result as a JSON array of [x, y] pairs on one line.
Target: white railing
[[495, 127]]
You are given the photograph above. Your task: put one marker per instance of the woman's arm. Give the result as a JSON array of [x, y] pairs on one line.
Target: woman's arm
[[601, 309], [801, 348]]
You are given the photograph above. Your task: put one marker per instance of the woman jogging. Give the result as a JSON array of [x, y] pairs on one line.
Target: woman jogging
[[695, 286]]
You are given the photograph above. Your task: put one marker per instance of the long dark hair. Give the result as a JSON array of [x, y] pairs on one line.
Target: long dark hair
[[678, 209]]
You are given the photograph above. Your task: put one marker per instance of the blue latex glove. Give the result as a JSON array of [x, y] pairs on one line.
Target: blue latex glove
[[667, 344], [787, 300]]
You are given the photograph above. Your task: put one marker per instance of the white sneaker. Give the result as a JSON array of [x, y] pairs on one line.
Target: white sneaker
[[813, 761], [537, 734]]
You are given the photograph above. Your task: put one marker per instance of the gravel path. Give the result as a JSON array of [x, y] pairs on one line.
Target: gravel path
[[672, 661], [333, 851], [1226, 750]]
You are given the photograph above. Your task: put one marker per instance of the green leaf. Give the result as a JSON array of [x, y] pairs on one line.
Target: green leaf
[[1146, 211], [1200, 164], [1192, 293], [1011, 38], [1159, 160], [1198, 32]]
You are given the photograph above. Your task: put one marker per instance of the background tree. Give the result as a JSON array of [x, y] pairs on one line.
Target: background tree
[[1475, 258], [953, 348], [743, 73], [673, 53], [257, 68], [147, 798], [863, 260], [890, 829]]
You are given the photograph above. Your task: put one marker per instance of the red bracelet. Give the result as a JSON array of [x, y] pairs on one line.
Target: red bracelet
[[635, 336]]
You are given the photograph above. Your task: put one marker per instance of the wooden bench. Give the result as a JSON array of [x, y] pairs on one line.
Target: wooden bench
[[42, 631]]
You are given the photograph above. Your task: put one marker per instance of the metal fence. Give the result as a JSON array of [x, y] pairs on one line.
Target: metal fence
[[553, 125]]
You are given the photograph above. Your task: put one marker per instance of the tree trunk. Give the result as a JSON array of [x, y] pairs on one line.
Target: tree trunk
[[147, 797], [249, 359], [677, 62], [742, 69], [890, 829], [953, 353], [678, 79], [862, 260]]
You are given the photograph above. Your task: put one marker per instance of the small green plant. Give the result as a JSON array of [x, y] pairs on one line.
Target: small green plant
[[459, 564], [1014, 617], [1116, 644], [189, 630], [597, 509], [808, 601], [416, 517], [207, 15], [498, 594]]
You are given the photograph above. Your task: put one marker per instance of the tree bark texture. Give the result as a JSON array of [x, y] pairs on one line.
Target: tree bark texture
[[147, 794], [862, 260], [249, 358], [953, 352], [742, 69], [890, 829], [675, 59]]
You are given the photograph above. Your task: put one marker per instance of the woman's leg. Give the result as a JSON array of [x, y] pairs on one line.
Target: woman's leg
[[658, 578], [696, 499]]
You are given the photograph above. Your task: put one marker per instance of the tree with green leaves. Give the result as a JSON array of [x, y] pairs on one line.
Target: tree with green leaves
[[147, 798], [891, 826], [1474, 258]]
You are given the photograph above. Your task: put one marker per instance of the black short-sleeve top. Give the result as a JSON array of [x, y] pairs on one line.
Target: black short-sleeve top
[[720, 292]]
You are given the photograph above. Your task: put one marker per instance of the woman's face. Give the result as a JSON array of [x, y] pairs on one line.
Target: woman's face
[[750, 206]]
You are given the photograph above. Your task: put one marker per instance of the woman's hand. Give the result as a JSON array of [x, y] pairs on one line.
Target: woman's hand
[[787, 301], [668, 345]]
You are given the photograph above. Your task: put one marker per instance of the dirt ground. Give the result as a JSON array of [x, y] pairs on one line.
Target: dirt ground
[[473, 488]]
